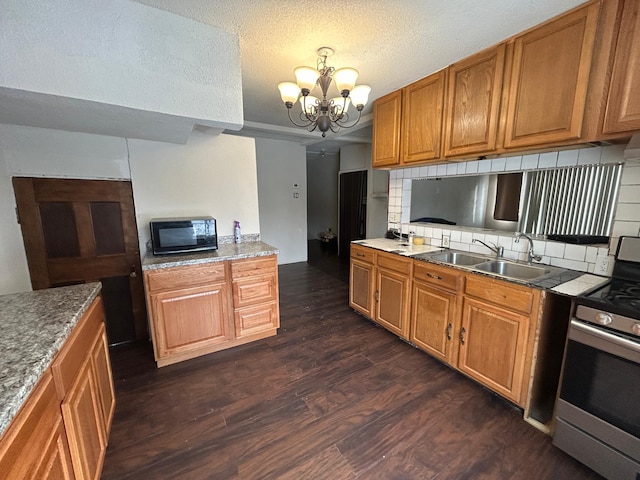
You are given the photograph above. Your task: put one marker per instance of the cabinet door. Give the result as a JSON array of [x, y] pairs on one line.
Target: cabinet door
[[104, 379], [473, 103], [190, 318], [432, 320], [83, 420], [493, 347], [361, 287], [549, 77], [256, 319], [392, 301], [422, 106], [623, 105], [386, 130], [34, 446]]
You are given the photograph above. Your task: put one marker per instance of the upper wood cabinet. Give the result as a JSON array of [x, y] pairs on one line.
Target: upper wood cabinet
[[623, 103], [386, 130], [549, 79], [473, 103], [422, 107]]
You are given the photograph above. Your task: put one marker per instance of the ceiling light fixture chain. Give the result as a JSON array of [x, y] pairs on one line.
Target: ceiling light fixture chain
[[324, 114]]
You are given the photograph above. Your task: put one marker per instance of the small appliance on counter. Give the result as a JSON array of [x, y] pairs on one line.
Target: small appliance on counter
[[183, 235], [598, 409]]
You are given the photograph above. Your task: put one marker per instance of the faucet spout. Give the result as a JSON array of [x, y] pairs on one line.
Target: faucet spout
[[498, 250], [531, 256]]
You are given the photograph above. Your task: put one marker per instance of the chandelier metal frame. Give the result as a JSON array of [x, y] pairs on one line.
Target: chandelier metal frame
[[325, 114]]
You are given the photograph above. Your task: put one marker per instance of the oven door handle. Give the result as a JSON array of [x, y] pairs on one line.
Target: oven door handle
[[602, 336]]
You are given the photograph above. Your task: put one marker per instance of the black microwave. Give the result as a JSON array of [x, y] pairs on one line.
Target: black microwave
[[182, 235]]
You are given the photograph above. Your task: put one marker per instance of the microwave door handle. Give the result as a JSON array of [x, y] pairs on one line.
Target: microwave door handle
[[602, 337]]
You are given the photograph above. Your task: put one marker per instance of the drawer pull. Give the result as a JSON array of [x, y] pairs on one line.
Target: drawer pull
[[431, 275], [462, 335], [360, 255], [449, 327]]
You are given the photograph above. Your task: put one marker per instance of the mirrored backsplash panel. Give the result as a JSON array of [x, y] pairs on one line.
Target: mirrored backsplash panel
[[591, 258]]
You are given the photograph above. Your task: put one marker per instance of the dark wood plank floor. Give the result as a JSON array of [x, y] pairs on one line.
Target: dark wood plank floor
[[331, 397]]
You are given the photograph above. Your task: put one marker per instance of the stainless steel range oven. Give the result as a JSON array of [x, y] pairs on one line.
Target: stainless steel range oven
[[598, 409]]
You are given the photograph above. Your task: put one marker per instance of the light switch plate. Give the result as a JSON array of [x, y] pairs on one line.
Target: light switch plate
[[445, 241]]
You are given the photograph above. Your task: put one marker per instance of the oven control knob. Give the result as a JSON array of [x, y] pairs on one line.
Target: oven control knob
[[603, 318], [636, 328]]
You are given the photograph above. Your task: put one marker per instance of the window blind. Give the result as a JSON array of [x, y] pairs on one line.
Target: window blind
[[577, 200]]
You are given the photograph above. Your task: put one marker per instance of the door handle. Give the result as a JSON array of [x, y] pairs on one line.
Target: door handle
[[449, 327], [462, 335], [132, 272]]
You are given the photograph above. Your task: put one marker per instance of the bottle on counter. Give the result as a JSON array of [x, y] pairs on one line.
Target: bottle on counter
[[237, 237]]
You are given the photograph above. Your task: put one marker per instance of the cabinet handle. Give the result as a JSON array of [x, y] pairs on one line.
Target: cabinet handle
[[449, 327], [377, 296], [431, 275], [462, 334], [360, 255]]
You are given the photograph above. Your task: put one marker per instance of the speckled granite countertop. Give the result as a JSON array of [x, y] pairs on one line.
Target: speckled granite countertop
[[226, 251], [554, 280], [34, 327]]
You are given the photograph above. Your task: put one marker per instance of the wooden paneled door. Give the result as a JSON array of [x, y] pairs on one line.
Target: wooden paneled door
[[78, 231]]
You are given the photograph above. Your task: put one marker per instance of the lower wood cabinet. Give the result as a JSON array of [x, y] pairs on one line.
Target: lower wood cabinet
[[199, 309], [35, 445], [380, 288], [493, 344], [255, 296], [434, 311], [84, 383], [484, 327], [362, 280], [392, 297], [62, 430]]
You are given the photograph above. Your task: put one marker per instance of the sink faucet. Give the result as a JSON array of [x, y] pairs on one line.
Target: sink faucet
[[499, 251], [530, 255]]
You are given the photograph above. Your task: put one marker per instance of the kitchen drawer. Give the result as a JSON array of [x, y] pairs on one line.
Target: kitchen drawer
[[73, 354], [511, 296], [253, 320], [180, 277], [395, 262], [255, 290], [440, 276], [362, 253], [253, 266]]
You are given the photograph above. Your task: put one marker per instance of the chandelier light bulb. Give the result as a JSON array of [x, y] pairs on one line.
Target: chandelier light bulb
[[289, 92], [339, 103], [308, 104], [360, 95], [306, 77], [345, 78]]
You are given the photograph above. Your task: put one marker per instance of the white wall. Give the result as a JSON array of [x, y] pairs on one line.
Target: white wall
[[322, 191], [122, 53], [211, 175], [283, 218], [14, 273]]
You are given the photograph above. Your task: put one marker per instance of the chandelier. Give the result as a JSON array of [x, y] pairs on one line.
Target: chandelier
[[324, 114]]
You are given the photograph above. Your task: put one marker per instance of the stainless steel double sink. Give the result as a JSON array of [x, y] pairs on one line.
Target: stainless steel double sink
[[496, 266]]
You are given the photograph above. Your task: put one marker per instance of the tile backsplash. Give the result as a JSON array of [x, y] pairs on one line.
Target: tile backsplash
[[588, 258]]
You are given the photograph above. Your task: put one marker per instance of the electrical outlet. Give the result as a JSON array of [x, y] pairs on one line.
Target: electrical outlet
[[445, 241], [602, 265]]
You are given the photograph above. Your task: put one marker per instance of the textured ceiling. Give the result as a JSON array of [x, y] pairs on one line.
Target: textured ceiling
[[391, 42]]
